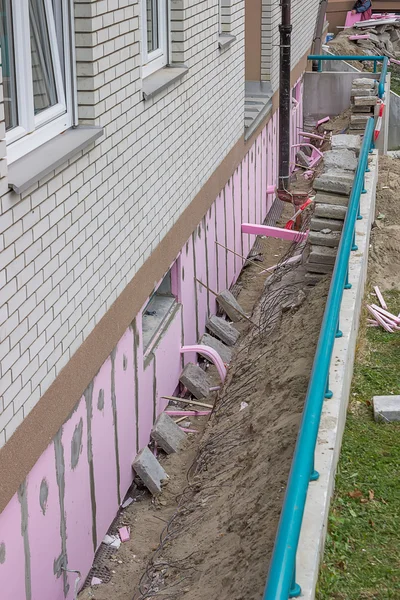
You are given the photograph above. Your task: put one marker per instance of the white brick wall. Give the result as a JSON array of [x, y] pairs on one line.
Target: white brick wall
[[304, 15], [70, 244]]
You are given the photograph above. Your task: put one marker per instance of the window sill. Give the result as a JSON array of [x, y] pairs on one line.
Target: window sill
[[225, 40], [161, 79], [258, 104], [153, 324], [35, 165]]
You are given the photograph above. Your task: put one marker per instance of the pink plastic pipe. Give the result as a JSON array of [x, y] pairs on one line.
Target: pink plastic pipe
[[316, 150], [359, 37], [324, 120], [387, 314], [275, 232], [187, 413], [378, 317], [380, 297], [270, 189], [311, 136], [209, 353]]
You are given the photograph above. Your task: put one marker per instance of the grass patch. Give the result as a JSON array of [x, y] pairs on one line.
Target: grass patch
[[362, 552]]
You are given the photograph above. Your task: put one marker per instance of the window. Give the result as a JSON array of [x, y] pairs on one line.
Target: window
[[35, 46], [158, 307], [155, 35]]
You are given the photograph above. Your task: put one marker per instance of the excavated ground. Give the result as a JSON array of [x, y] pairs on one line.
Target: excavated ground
[[218, 515]]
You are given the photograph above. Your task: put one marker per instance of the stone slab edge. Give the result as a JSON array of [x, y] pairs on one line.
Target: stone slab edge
[[333, 419]]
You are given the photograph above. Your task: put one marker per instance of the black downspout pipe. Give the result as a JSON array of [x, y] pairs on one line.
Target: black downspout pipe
[[317, 48], [285, 30]]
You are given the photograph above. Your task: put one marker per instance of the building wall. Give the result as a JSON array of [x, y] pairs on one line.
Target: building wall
[[64, 507], [304, 15], [72, 242]]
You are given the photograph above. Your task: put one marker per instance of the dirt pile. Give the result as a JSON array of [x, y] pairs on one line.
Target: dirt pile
[[220, 541], [385, 250], [383, 40]]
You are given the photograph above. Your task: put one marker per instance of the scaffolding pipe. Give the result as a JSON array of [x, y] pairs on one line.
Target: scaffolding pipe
[[285, 29]]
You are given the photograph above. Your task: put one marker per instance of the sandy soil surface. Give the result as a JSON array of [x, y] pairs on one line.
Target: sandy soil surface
[[385, 242], [211, 532]]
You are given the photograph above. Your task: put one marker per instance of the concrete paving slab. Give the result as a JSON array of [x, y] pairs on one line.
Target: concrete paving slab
[[147, 467]]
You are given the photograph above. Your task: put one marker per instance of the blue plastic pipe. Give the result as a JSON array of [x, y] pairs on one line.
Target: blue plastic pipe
[[282, 567], [375, 59]]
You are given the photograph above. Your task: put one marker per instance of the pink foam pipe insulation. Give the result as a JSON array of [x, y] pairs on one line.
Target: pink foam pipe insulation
[[365, 36], [378, 317], [316, 154], [187, 413], [380, 297], [270, 189], [311, 136], [209, 353], [386, 313], [275, 232], [324, 120]]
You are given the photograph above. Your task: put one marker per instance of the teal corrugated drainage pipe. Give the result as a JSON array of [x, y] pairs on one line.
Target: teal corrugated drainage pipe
[[281, 579], [349, 58]]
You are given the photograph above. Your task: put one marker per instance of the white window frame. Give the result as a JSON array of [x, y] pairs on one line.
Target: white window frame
[[34, 130], [153, 61]]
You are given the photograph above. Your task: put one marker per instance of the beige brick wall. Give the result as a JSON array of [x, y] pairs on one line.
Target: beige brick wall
[[304, 15], [70, 244]]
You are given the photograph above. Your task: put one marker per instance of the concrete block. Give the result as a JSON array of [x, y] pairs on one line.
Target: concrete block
[[307, 150], [330, 211], [224, 351], [338, 182], [167, 434], [302, 159], [230, 305], [319, 268], [386, 408], [361, 92], [195, 380], [346, 142], [313, 278], [358, 120], [147, 467], [324, 239], [365, 110], [223, 330], [358, 127], [343, 159], [364, 82], [322, 255], [334, 199], [355, 131], [365, 100], [328, 224]]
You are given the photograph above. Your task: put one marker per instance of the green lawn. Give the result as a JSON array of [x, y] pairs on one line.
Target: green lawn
[[362, 552]]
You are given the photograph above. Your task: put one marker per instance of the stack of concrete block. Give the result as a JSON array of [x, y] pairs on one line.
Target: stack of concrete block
[[333, 189], [364, 99]]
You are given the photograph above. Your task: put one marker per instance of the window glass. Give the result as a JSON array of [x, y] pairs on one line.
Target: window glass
[[152, 25], [44, 84], [8, 65]]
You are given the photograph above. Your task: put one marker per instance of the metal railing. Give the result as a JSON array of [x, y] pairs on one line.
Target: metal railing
[[375, 59], [281, 582]]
